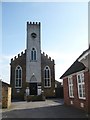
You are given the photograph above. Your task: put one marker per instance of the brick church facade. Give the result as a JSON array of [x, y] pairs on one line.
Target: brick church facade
[[32, 68]]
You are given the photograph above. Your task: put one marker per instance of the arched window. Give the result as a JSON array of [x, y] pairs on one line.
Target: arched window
[[47, 77], [33, 54], [18, 77]]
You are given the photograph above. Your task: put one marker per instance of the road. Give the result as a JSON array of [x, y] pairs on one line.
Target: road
[[51, 108]]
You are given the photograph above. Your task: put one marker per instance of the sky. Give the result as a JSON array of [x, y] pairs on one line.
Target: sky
[[64, 32]]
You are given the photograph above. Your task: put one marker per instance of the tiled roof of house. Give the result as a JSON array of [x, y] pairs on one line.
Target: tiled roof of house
[[5, 84], [75, 67], [83, 53]]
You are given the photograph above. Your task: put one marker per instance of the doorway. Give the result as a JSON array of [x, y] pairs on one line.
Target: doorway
[[33, 88]]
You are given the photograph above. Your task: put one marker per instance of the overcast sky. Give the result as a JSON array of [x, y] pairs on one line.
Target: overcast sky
[[64, 32]]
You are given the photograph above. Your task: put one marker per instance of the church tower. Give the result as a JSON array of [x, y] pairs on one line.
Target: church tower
[[32, 72], [33, 58]]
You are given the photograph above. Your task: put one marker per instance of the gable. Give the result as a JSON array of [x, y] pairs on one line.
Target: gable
[[75, 67]]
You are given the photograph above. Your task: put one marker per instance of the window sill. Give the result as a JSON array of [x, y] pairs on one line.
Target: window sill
[[82, 98], [71, 96], [18, 87], [33, 60], [47, 86]]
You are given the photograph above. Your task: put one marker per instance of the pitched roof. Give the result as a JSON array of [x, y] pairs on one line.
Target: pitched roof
[[5, 84], [75, 67], [83, 53]]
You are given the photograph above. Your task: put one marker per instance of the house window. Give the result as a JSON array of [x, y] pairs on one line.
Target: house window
[[70, 83], [47, 77], [18, 77], [33, 54], [81, 85]]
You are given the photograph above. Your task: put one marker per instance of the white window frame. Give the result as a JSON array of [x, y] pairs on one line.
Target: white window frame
[[32, 58], [47, 78], [70, 86], [82, 83], [18, 77]]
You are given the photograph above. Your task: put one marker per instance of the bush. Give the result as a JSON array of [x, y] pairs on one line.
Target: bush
[[35, 98]]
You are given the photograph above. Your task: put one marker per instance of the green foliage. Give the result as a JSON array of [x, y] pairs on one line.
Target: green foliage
[[35, 98]]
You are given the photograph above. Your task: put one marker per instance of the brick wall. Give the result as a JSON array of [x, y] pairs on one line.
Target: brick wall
[[6, 97], [46, 61], [21, 60], [76, 102], [18, 93]]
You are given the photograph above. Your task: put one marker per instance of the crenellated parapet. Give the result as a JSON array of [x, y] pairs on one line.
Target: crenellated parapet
[[49, 58], [33, 23], [18, 56]]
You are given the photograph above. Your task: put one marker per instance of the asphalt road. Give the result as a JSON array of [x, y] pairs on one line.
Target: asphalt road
[[52, 108]]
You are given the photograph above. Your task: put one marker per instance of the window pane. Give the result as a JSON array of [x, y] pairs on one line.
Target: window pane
[[46, 67], [48, 73], [16, 73], [80, 94], [33, 49], [19, 73], [31, 55], [80, 91], [18, 67], [70, 86], [45, 74], [18, 76], [16, 82], [34, 55], [45, 82], [19, 82], [83, 90], [79, 80], [82, 77], [48, 82]]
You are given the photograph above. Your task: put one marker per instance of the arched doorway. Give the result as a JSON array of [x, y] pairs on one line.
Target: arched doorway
[[33, 85]]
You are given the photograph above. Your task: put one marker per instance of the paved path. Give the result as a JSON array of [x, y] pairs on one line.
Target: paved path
[[29, 105], [51, 108]]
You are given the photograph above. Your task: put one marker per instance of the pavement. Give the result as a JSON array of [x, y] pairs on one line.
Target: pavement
[[51, 108]]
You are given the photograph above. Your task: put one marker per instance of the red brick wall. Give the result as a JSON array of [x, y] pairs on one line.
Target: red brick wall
[[88, 93], [76, 101]]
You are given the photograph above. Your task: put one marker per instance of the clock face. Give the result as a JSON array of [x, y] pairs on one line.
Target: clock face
[[34, 35]]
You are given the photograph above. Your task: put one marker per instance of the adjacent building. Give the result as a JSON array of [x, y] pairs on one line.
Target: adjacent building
[[58, 89], [32, 69], [6, 95], [76, 82]]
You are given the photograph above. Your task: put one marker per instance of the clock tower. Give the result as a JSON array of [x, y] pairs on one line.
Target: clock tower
[[33, 58]]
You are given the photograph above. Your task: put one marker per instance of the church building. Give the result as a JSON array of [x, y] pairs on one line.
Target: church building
[[32, 69]]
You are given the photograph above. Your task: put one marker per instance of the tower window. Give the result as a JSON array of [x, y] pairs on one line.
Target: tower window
[[33, 54], [47, 77], [18, 77]]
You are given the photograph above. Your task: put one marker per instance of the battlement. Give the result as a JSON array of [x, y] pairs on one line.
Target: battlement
[[19, 55], [49, 58], [33, 23]]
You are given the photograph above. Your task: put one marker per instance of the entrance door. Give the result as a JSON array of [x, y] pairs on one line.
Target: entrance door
[[33, 88]]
